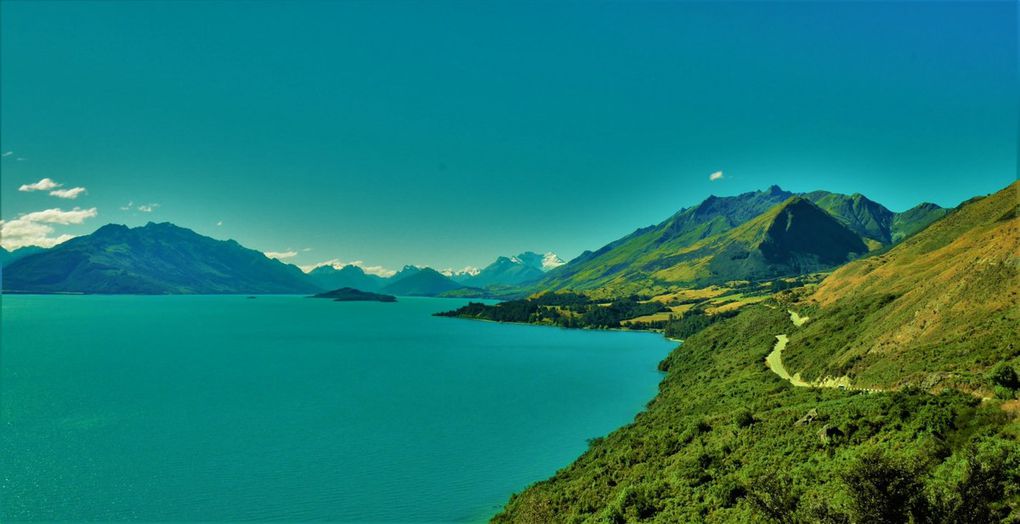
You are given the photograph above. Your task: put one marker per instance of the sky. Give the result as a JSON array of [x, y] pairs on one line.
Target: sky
[[449, 133]]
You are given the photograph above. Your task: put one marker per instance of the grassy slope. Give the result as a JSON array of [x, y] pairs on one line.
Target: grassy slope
[[720, 443], [937, 310]]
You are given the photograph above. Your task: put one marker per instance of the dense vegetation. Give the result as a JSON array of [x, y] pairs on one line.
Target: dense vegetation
[[561, 309], [727, 441]]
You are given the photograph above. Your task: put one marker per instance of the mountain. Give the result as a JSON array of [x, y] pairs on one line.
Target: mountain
[[404, 272], [940, 307], [874, 221], [413, 281], [505, 271], [154, 259], [915, 219], [791, 238], [617, 263], [865, 217], [462, 274], [508, 271], [544, 262], [330, 277], [512, 271], [7, 257]]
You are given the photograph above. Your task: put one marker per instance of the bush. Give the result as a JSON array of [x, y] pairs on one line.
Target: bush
[[885, 488], [1004, 376]]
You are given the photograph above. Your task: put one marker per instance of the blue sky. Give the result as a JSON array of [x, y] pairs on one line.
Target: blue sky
[[447, 133]]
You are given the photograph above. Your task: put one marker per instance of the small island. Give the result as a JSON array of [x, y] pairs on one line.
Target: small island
[[349, 294]]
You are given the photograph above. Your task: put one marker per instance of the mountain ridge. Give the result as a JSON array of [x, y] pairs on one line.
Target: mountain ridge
[[152, 259], [621, 266]]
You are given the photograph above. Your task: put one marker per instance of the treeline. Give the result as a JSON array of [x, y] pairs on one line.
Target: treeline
[[683, 326], [561, 309]]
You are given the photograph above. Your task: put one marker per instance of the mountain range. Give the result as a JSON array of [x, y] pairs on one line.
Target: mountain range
[[760, 234], [167, 259], [333, 277], [510, 271], [752, 236]]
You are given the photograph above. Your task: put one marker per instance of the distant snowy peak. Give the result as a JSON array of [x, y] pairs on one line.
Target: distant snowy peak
[[551, 261], [468, 271], [541, 262]]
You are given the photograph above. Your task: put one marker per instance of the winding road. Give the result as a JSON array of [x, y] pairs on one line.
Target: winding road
[[774, 361]]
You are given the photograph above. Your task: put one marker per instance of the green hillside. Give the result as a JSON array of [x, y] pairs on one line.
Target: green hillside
[[929, 327], [915, 219], [938, 310], [726, 440]]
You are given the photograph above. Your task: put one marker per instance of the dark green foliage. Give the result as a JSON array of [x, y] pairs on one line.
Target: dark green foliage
[[560, 309], [884, 488], [1004, 379], [692, 322]]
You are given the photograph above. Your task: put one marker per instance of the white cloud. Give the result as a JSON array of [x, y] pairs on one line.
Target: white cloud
[[45, 184], [715, 176], [144, 208], [336, 263], [7, 154], [71, 193], [59, 216], [220, 223], [34, 229], [280, 255]]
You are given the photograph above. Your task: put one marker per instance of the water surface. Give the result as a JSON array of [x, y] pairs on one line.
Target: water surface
[[225, 408]]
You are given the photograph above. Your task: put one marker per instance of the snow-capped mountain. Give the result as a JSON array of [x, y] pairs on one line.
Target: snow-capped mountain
[[509, 271], [466, 272]]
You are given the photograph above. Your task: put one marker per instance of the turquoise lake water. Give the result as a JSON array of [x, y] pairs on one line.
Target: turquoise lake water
[[221, 408]]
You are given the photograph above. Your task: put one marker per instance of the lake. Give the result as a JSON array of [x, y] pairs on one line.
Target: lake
[[222, 408]]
